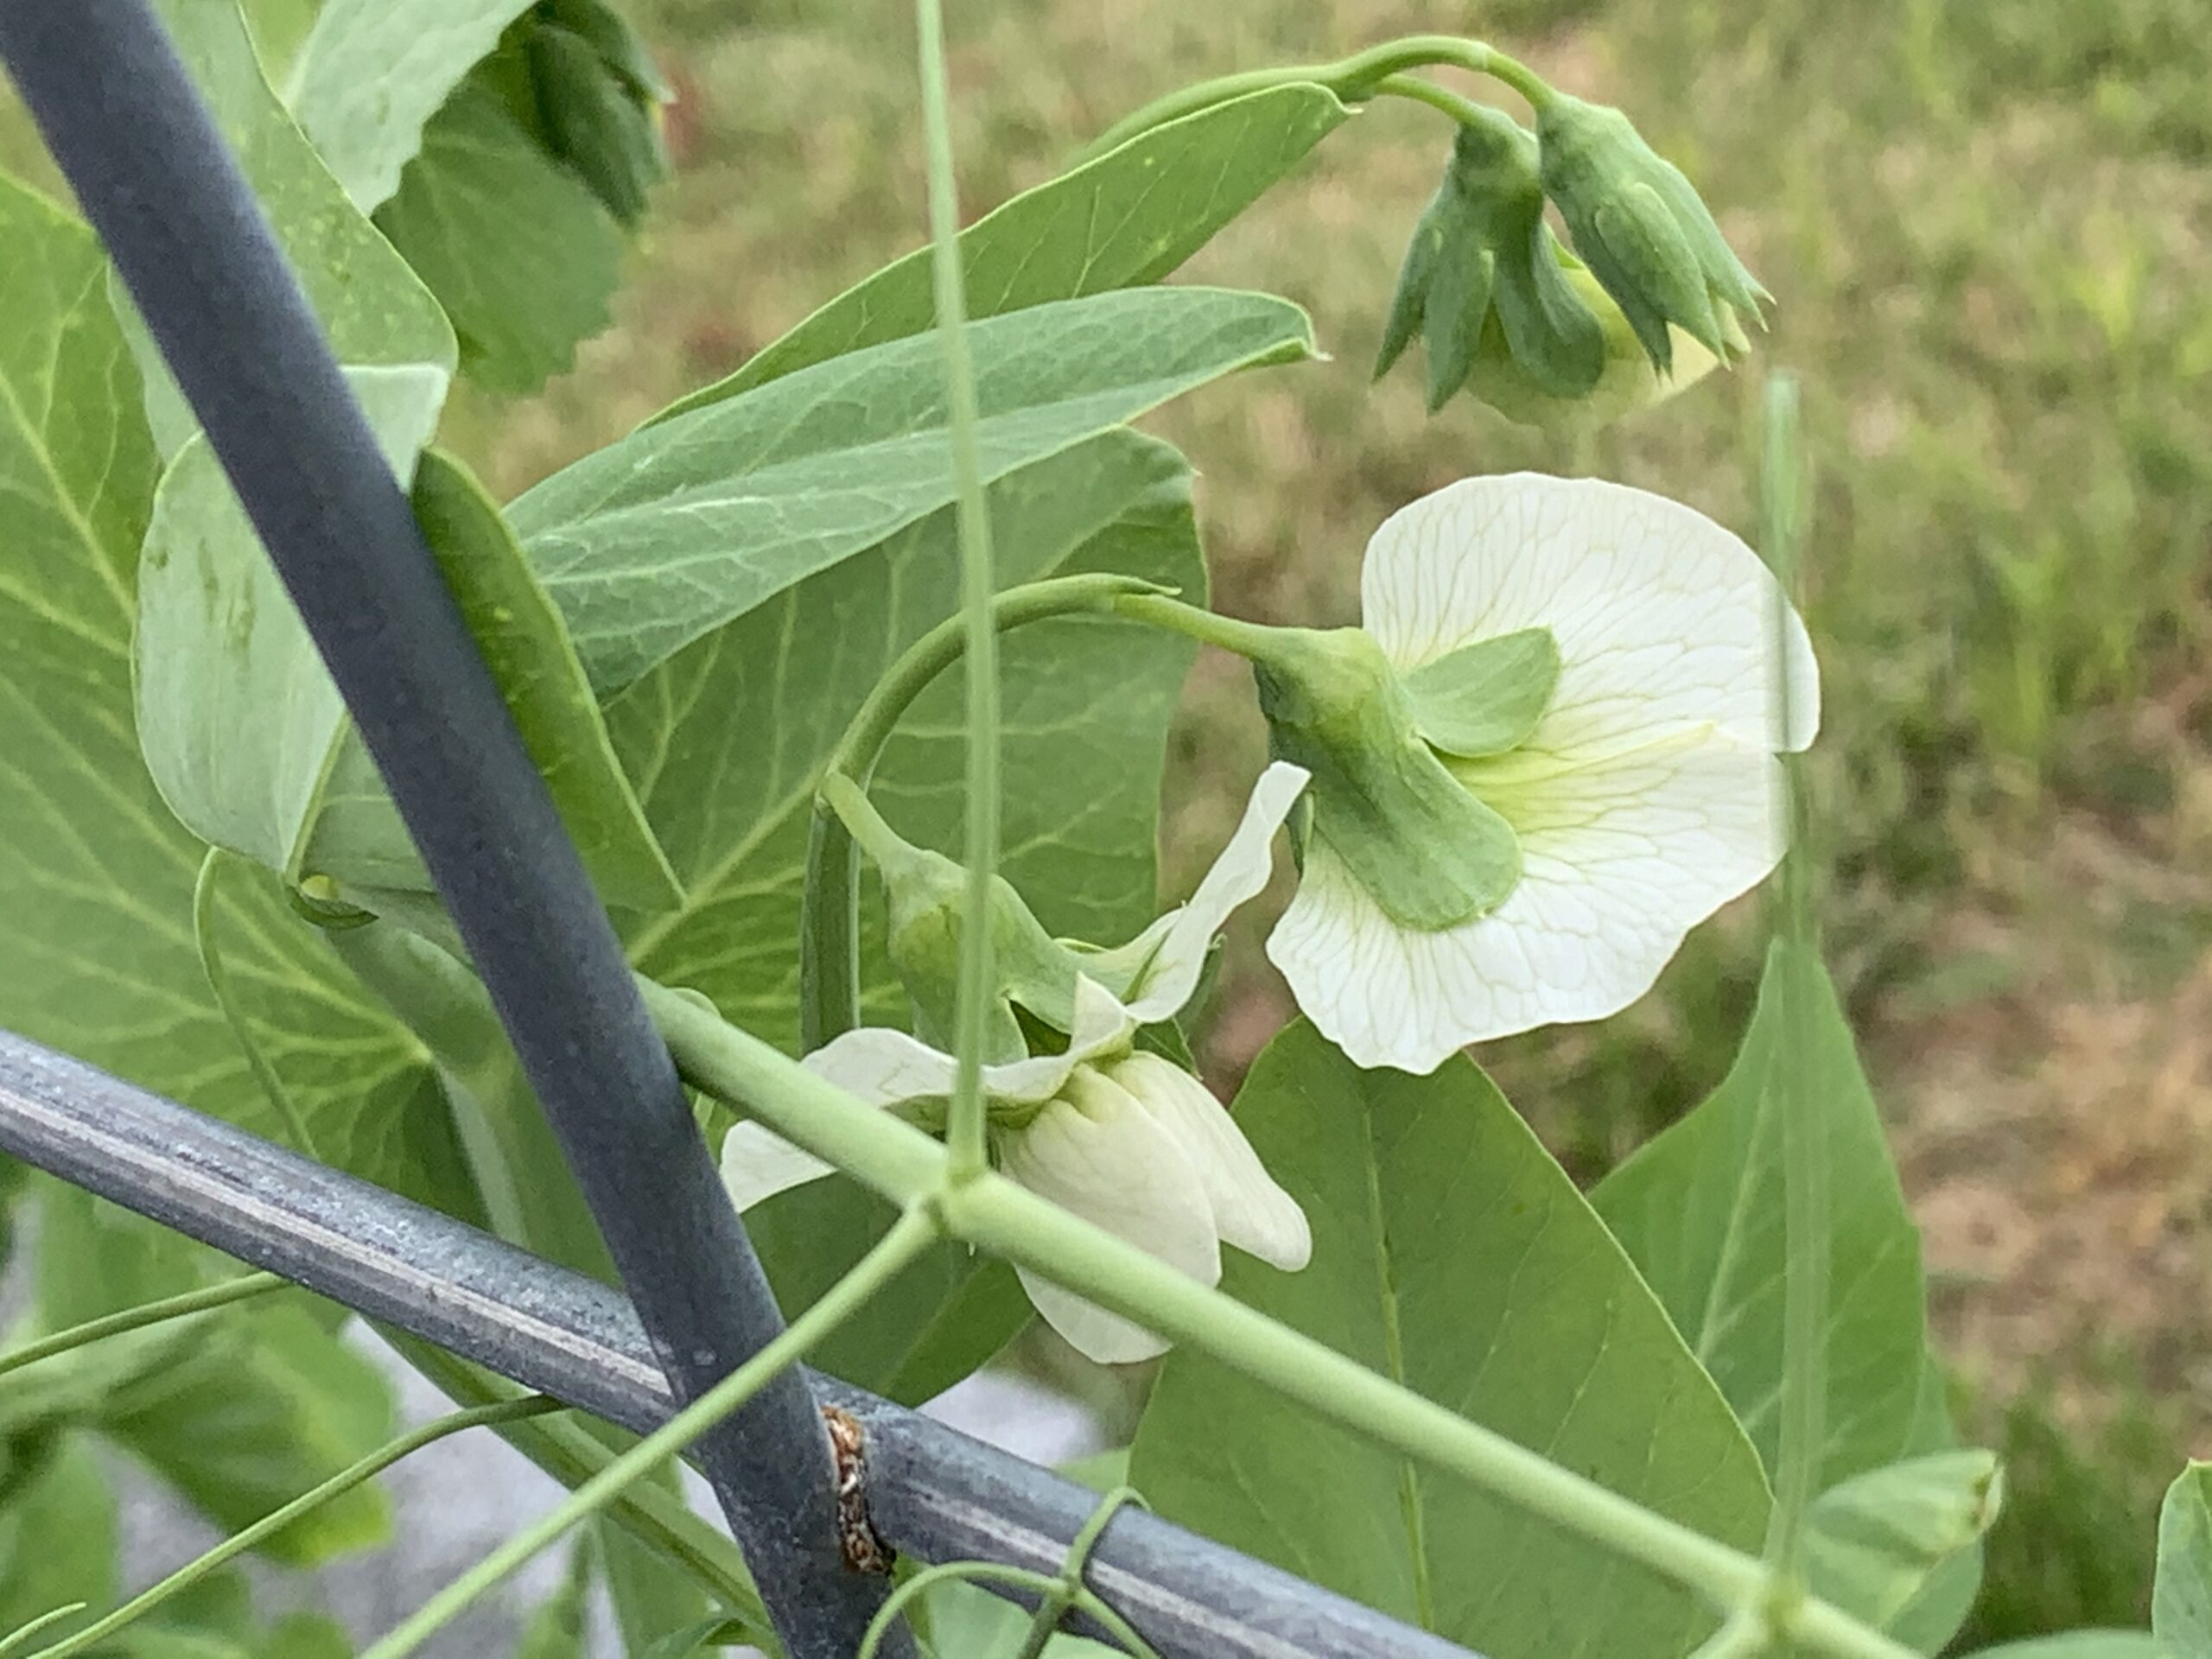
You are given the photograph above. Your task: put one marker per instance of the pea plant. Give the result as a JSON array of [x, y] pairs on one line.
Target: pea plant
[[850, 676]]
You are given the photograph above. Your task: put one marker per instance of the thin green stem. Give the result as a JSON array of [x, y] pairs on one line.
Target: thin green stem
[[992, 1212], [564, 1449], [1354, 80], [219, 981], [964, 1125], [23, 1633], [1070, 1589], [829, 914], [1252, 640], [912, 1234], [1414, 89], [1014, 1577], [1804, 1150], [367, 1469], [136, 1319]]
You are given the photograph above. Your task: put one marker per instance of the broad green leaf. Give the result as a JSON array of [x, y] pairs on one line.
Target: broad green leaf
[[512, 243], [599, 97], [656, 541], [374, 71], [266, 1405], [96, 888], [1701, 1209], [1875, 1543], [57, 1537], [2082, 1644], [729, 789], [708, 1636], [2181, 1605], [371, 306], [357, 830], [1124, 219], [1452, 1255]]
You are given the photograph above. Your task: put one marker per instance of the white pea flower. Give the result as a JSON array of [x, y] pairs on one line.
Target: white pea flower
[[1635, 765], [1113, 1134]]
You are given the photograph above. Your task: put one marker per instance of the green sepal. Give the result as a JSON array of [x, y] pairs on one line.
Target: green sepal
[[1430, 854], [1647, 235], [1409, 301], [926, 894], [1548, 332], [1487, 698], [596, 120]]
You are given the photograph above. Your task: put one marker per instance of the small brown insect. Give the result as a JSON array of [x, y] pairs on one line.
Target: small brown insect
[[864, 1550]]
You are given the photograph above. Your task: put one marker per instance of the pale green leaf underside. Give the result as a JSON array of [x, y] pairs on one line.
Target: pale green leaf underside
[[2181, 1605], [96, 887], [374, 71], [1452, 1253], [2082, 1644], [1121, 220], [356, 833], [1879, 1544], [371, 305], [657, 540], [1701, 1210]]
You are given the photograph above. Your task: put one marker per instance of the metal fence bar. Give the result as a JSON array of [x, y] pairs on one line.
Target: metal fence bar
[[124, 120], [932, 1491]]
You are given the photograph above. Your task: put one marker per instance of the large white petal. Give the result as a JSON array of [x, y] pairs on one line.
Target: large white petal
[[1622, 857], [1096, 1153], [1249, 1209], [1171, 952], [1664, 619], [888, 1068], [758, 1163]]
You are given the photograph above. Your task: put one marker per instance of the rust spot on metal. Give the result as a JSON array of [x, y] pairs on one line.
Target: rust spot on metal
[[864, 1550]]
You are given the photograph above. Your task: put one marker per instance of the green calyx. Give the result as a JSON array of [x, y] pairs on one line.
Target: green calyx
[[927, 894], [1487, 698], [1428, 852], [1646, 234], [1483, 263]]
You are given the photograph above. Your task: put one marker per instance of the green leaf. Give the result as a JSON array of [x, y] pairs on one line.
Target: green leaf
[[2181, 1605], [1701, 1209], [96, 887], [656, 541], [266, 1406], [1875, 1542], [598, 96], [371, 306], [57, 1536], [714, 1633], [374, 71], [966, 1621], [2082, 1644], [514, 244], [1121, 220], [359, 830], [1487, 698], [1451, 1254], [729, 742]]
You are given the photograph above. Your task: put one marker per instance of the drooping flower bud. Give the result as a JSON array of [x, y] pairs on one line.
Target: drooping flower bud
[[1482, 261], [1644, 231]]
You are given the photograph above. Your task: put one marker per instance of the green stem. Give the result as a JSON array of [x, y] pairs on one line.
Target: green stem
[[992, 1212], [1463, 111], [655, 1516], [367, 1468], [829, 924], [964, 1123], [23, 1633], [1252, 640], [1354, 80], [1804, 1151], [135, 1319], [219, 981], [913, 1233], [1014, 1578]]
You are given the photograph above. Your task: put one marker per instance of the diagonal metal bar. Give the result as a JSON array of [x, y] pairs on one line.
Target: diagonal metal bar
[[124, 121], [932, 1491]]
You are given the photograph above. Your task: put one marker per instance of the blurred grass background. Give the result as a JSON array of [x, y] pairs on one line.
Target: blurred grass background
[[1988, 225]]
